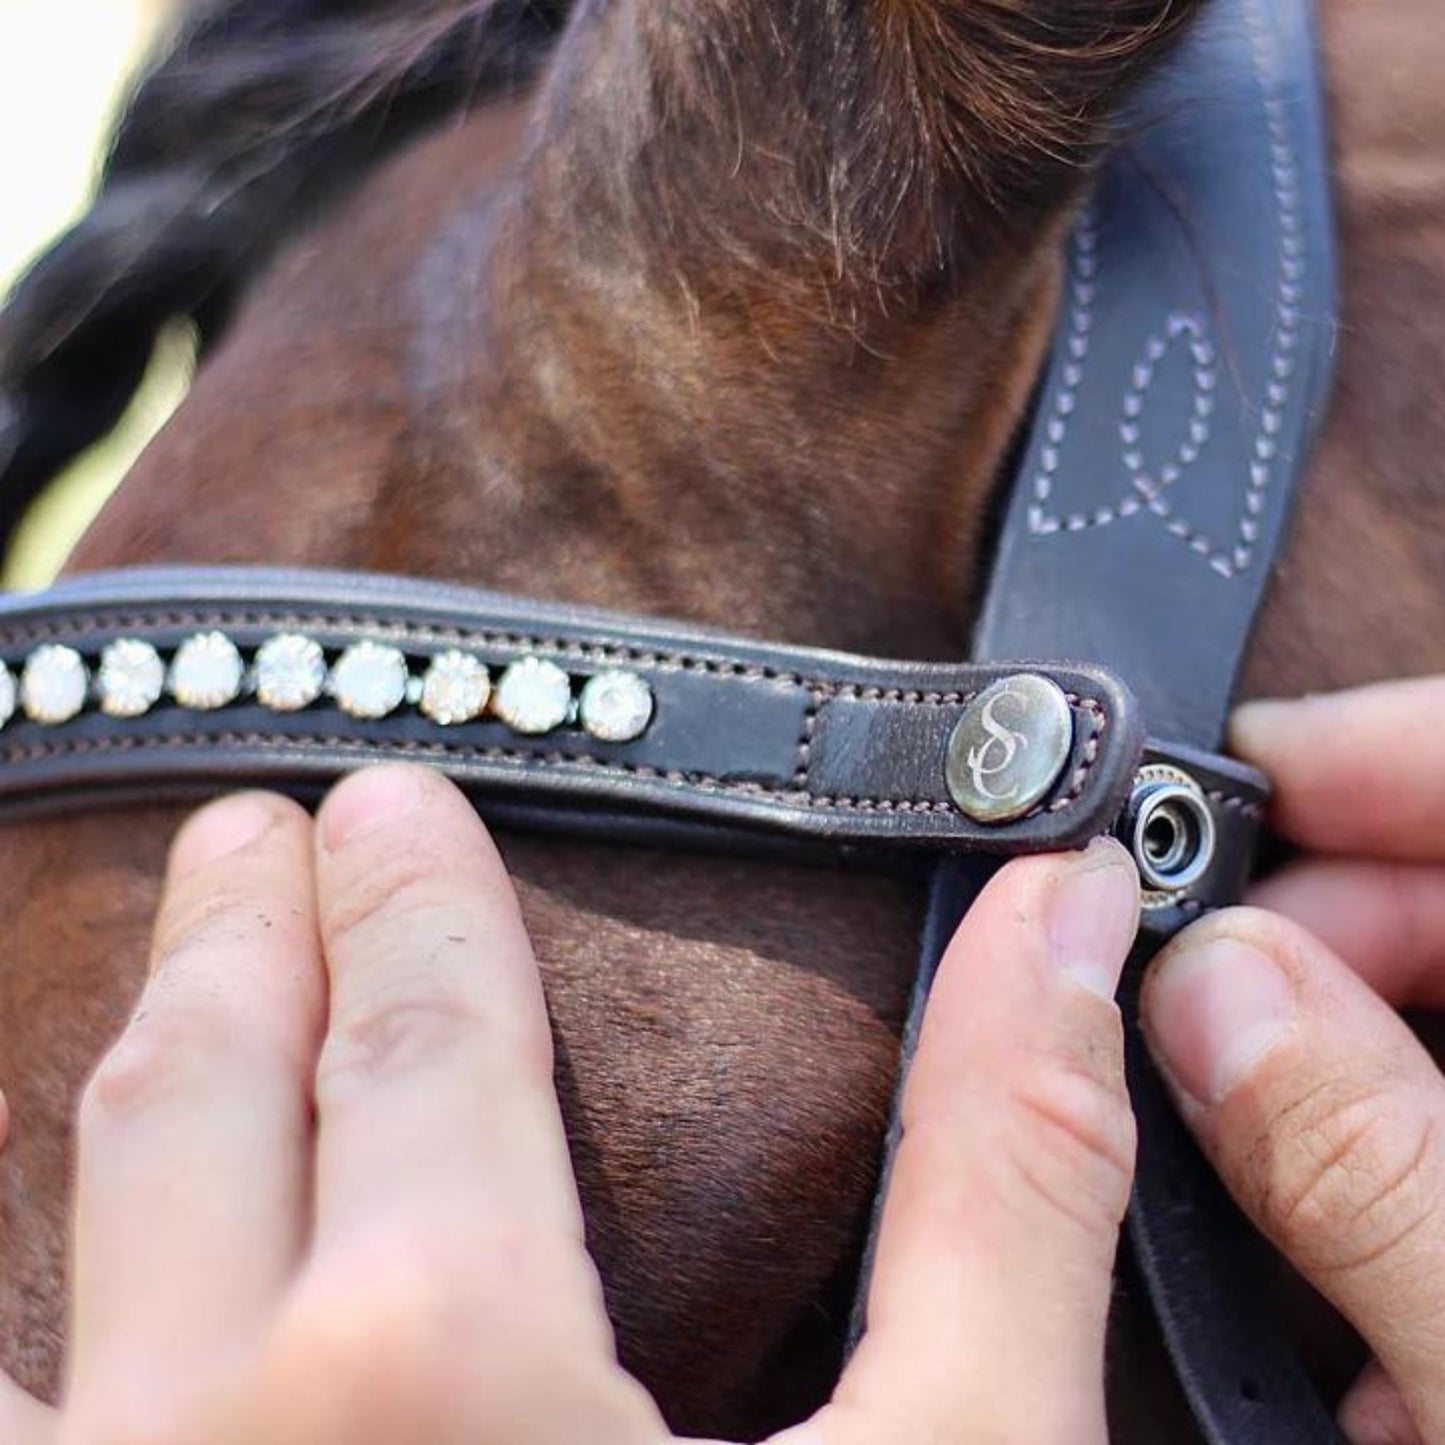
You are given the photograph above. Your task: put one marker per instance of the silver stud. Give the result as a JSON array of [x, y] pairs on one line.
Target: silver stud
[[369, 680], [1009, 747], [54, 684], [8, 695], [533, 697], [456, 688], [616, 707], [131, 678], [206, 672], [290, 672]]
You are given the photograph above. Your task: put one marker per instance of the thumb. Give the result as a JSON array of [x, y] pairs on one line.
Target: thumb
[[991, 1293], [23, 1419]]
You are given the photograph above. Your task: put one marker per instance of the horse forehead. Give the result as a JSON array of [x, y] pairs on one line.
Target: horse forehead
[[316, 382], [357, 275]]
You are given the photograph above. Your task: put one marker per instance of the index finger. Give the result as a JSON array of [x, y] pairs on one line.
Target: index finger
[[1359, 772], [435, 1081], [447, 1214]]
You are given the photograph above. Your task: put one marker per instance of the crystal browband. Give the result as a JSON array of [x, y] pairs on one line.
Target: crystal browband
[[159, 682], [368, 681]]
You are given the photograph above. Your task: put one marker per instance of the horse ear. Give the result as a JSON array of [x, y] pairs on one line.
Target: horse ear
[[257, 113]]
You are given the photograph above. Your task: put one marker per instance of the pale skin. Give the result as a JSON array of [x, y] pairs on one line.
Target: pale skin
[[324, 1194]]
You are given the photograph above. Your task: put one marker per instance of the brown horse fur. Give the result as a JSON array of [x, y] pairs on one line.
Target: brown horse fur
[[731, 318]]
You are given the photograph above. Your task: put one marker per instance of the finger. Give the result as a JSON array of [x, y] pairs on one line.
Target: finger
[[1326, 1119], [1372, 1412], [435, 1082], [193, 1180], [443, 1172], [995, 1262], [23, 1419], [1386, 920], [1354, 772]]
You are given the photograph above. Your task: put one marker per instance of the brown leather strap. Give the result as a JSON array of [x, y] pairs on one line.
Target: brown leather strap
[[805, 744]]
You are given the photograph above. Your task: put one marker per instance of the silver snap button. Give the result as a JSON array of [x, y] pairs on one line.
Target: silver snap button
[[1009, 747], [1170, 829]]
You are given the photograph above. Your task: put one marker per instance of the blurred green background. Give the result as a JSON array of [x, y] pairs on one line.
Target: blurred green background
[[64, 66]]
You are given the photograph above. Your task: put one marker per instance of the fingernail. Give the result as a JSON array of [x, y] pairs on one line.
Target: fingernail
[[1094, 915], [1214, 1008], [219, 829], [1255, 726], [365, 799]]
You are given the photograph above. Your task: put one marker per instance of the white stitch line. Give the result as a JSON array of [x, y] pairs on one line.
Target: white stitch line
[[87, 633], [790, 796], [1083, 289], [1290, 217], [1201, 350]]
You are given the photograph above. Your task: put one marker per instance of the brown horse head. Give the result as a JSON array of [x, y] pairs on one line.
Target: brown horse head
[[728, 312]]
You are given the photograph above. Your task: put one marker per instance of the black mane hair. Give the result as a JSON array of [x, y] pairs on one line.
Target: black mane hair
[[255, 113]]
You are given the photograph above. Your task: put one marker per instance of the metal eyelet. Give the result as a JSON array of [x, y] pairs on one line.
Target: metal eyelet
[[1170, 830]]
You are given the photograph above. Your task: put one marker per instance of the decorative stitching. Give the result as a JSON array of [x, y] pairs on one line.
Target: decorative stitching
[[1083, 289], [805, 739], [419, 634], [1235, 802], [1289, 216], [1289, 281], [80, 629], [706, 782], [1201, 349], [1088, 754], [874, 693], [271, 743], [1289, 291]]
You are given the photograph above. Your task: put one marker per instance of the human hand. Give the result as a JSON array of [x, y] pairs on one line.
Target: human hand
[[324, 1194], [1320, 1109]]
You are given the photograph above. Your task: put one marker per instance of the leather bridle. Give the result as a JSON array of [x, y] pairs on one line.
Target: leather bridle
[[1190, 368]]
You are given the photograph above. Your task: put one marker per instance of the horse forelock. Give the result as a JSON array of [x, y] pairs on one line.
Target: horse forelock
[[248, 122]]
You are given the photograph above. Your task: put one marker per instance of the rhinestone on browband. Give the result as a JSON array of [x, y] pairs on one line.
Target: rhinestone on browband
[[533, 697], [290, 672], [456, 688], [207, 672], [131, 679], [54, 684]]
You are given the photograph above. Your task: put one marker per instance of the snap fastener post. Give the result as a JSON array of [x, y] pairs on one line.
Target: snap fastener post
[[1170, 830]]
